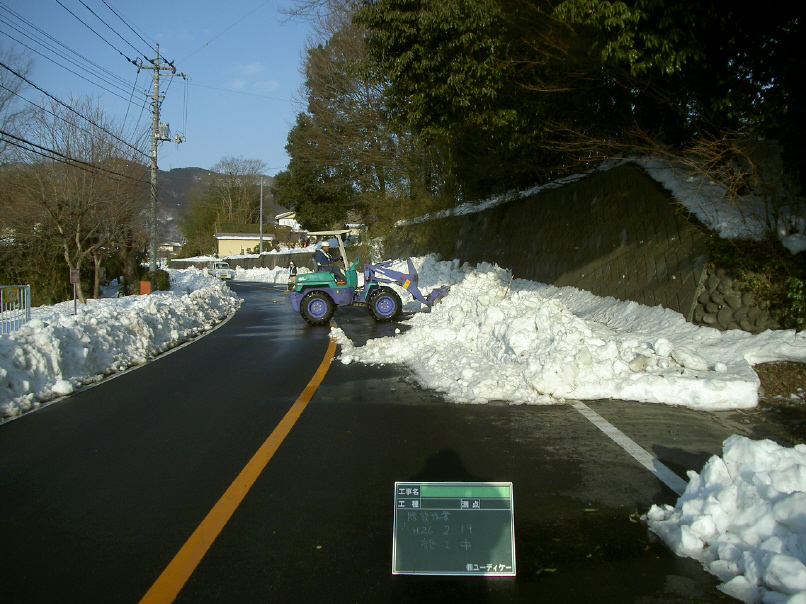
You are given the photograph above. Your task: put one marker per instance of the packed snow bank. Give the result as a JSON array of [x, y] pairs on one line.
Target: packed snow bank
[[744, 518], [744, 218], [274, 276], [495, 338], [492, 338], [58, 351]]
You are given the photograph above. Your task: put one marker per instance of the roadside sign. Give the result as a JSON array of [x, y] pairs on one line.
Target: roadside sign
[[454, 528], [75, 280]]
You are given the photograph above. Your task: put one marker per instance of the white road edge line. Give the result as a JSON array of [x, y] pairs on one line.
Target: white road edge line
[[661, 472]]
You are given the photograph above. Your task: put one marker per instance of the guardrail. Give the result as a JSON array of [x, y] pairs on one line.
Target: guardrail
[[15, 307]]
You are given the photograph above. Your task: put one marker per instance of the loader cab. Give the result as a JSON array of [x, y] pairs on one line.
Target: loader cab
[[339, 236]]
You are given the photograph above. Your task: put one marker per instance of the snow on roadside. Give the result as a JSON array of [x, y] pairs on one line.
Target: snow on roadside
[[744, 518], [492, 338], [498, 338], [57, 351], [275, 276], [495, 338]]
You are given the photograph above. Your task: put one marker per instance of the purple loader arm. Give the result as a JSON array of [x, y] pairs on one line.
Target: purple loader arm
[[383, 273]]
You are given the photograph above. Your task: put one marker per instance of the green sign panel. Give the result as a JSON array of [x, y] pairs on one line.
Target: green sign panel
[[454, 528]]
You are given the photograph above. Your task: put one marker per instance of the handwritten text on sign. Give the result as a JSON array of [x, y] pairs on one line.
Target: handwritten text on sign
[[454, 528]]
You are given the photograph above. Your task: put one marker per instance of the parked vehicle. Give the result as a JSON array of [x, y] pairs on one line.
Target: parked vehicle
[[316, 295], [220, 270]]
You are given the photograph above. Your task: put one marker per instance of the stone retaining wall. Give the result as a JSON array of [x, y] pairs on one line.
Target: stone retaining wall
[[726, 303]]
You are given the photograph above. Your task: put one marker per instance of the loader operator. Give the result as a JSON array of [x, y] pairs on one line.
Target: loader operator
[[326, 262]]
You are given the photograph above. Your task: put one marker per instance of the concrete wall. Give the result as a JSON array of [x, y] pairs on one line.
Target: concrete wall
[[262, 261], [616, 233]]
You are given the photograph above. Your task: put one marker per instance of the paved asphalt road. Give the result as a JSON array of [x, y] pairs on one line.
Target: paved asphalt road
[[99, 491]]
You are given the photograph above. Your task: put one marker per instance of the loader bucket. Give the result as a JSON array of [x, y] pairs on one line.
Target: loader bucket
[[435, 297]]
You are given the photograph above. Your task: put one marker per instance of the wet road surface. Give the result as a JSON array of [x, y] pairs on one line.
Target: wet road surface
[[100, 491]]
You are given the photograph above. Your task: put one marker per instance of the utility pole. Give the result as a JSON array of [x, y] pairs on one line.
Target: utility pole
[[261, 214], [159, 132]]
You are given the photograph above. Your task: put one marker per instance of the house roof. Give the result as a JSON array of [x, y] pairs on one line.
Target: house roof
[[244, 236]]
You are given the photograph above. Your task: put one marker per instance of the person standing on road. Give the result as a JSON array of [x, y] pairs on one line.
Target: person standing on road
[[292, 275]]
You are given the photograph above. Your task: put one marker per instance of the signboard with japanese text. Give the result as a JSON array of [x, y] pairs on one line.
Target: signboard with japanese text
[[454, 528]]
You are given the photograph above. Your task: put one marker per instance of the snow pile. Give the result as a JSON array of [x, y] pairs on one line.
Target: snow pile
[[492, 338], [744, 518], [58, 351], [495, 338], [498, 338], [747, 217], [274, 276], [708, 200]]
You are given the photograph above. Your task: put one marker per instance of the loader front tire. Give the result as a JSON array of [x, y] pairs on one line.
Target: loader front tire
[[317, 308], [385, 304]]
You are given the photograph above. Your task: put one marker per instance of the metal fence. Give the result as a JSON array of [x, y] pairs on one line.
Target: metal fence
[[15, 307]]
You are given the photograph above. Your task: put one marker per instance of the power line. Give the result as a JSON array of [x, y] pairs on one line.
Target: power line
[[112, 46], [134, 87], [110, 27], [54, 46], [106, 81], [20, 143], [262, 96], [45, 109], [41, 41], [22, 77], [147, 43], [185, 110], [225, 30], [143, 106], [165, 94]]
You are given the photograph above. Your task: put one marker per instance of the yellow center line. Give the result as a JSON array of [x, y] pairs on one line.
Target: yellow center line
[[176, 574]]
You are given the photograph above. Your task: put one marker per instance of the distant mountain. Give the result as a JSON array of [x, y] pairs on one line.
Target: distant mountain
[[172, 197], [172, 189], [173, 185]]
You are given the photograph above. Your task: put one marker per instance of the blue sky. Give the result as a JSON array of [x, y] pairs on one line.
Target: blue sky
[[242, 60]]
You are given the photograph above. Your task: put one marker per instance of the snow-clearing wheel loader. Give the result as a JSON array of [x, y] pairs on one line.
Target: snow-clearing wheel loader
[[317, 295]]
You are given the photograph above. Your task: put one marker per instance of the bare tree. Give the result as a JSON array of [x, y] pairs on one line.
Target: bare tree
[[235, 188], [317, 11], [79, 182]]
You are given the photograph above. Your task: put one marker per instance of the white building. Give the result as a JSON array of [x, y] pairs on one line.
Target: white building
[[288, 219]]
